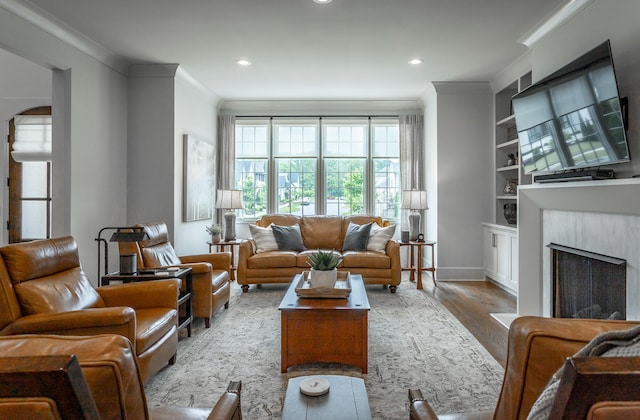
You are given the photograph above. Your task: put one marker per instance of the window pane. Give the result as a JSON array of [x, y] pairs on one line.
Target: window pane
[[296, 186], [34, 179], [345, 186], [252, 138], [251, 178], [387, 188], [295, 137], [386, 138], [34, 219], [347, 138]]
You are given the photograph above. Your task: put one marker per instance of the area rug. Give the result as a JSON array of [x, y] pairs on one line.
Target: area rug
[[414, 342]]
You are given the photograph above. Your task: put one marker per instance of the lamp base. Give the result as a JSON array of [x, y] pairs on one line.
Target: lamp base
[[414, 225], [229, 226]]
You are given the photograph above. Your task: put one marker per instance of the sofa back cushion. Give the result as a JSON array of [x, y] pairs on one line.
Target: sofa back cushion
[[108, 364], [157, 251], [278, 219], [322, 232], [47, 276]]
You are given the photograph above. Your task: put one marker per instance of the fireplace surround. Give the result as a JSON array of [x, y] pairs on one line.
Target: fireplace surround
[[598, 216]]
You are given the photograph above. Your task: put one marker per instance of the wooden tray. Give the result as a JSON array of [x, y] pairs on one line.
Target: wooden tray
[[341, 290]]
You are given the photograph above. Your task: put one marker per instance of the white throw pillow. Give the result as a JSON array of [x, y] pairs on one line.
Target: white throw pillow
[[379, 236], [263, 238]]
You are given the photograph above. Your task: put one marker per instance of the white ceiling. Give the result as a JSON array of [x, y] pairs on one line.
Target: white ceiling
[[344, 50]]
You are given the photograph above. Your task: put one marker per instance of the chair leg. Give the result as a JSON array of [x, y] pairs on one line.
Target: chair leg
[[173, 359], [245, 288], [226, 305], [207, 322], [392, 289]]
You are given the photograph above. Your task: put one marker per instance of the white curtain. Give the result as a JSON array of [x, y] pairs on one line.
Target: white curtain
[[411, 156], [226, 155]]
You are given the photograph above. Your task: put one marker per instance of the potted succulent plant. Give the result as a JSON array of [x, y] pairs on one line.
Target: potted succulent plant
[[214, 231], [324, 268]]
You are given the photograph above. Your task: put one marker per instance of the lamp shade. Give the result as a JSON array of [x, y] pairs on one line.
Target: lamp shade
[[229, 199], [414, 200]]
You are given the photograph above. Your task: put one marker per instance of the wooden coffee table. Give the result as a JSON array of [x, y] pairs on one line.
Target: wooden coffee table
[[347, 399], [325, 330]]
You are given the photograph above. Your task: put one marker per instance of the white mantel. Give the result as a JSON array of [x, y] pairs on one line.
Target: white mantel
[[588, 208]]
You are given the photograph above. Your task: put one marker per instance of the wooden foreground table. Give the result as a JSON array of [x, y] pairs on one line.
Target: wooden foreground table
[[325, 330], [346, 400]]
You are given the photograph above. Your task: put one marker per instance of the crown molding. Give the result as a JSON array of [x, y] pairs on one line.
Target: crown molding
[[65, 33]]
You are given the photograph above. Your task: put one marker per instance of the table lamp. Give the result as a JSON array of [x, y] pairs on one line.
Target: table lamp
[[414, 200], [121, 234], [229, 200]]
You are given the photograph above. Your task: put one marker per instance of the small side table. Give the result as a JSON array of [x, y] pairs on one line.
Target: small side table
[[184, 299], [417, 267], [222, 247]]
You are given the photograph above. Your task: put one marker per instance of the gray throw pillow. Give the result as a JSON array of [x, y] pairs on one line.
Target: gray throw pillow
[[357, 237], [288, 238]]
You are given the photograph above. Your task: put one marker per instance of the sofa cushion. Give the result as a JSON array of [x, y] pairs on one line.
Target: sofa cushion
[[271, 259], [623, 343], [263, 238], [322, 232], [379, 236], [365, 259], [357, 237], [288, 238], [151, 325]]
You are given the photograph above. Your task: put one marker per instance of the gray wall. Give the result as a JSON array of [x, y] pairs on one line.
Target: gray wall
[[462, 142]]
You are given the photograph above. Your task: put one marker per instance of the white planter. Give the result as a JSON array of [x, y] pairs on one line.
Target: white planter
[[323, 279]]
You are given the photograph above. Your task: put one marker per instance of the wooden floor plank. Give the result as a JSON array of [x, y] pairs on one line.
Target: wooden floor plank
[[472, 303]]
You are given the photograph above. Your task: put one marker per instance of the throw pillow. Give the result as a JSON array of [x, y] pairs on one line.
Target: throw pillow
[[288, 238], [379, 236], [357, 237], [624, 343], [263, 238]]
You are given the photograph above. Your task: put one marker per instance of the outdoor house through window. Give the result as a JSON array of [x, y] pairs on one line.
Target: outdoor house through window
[[306, 166]]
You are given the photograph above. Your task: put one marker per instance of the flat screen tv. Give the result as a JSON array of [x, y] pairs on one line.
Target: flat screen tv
[[572, 119]]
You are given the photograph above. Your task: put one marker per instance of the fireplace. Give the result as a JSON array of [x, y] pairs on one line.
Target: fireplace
[[587, 284]]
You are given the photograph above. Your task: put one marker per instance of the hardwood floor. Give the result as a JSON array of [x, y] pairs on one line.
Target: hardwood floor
[[472, 302]]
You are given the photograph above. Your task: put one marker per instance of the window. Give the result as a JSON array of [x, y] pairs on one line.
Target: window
[[305, 166], [30, 175]]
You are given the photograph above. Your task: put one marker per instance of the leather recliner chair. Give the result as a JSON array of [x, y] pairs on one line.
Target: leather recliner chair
[[210, 281], [43, 290], [538, 347], [111, 373]]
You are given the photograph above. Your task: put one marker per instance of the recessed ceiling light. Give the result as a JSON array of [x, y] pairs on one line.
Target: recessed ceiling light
[[322, 1], [243, 62], [416, 61]]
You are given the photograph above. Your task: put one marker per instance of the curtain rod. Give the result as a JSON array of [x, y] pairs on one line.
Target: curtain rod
[[317, 116]]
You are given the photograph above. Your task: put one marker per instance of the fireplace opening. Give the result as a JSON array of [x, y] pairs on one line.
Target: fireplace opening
[[587, 285]]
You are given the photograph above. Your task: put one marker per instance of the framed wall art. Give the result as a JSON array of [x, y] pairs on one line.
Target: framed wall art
[[199, 179]]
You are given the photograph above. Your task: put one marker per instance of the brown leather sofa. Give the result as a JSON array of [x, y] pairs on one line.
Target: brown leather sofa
[[43, 290], [211, 272], [538, 347], [318, 232], [111, 373]]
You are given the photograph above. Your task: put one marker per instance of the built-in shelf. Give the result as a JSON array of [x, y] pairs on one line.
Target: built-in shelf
[[508, 121], [507, 197], [508, 168], [508, 143]]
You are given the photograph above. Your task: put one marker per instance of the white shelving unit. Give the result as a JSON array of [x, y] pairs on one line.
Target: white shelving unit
[[507, 147]]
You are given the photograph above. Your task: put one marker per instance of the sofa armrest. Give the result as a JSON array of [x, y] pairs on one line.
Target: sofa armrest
[[393, 251], [246, 250], [145, 294], [119, 320], [218, 260], [537, 349], [228, 406], [419, 408]]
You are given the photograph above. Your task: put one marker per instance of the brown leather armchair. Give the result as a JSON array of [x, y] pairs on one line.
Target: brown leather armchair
[[538, 347], [108, 384], [211, 272], [43, 290]]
